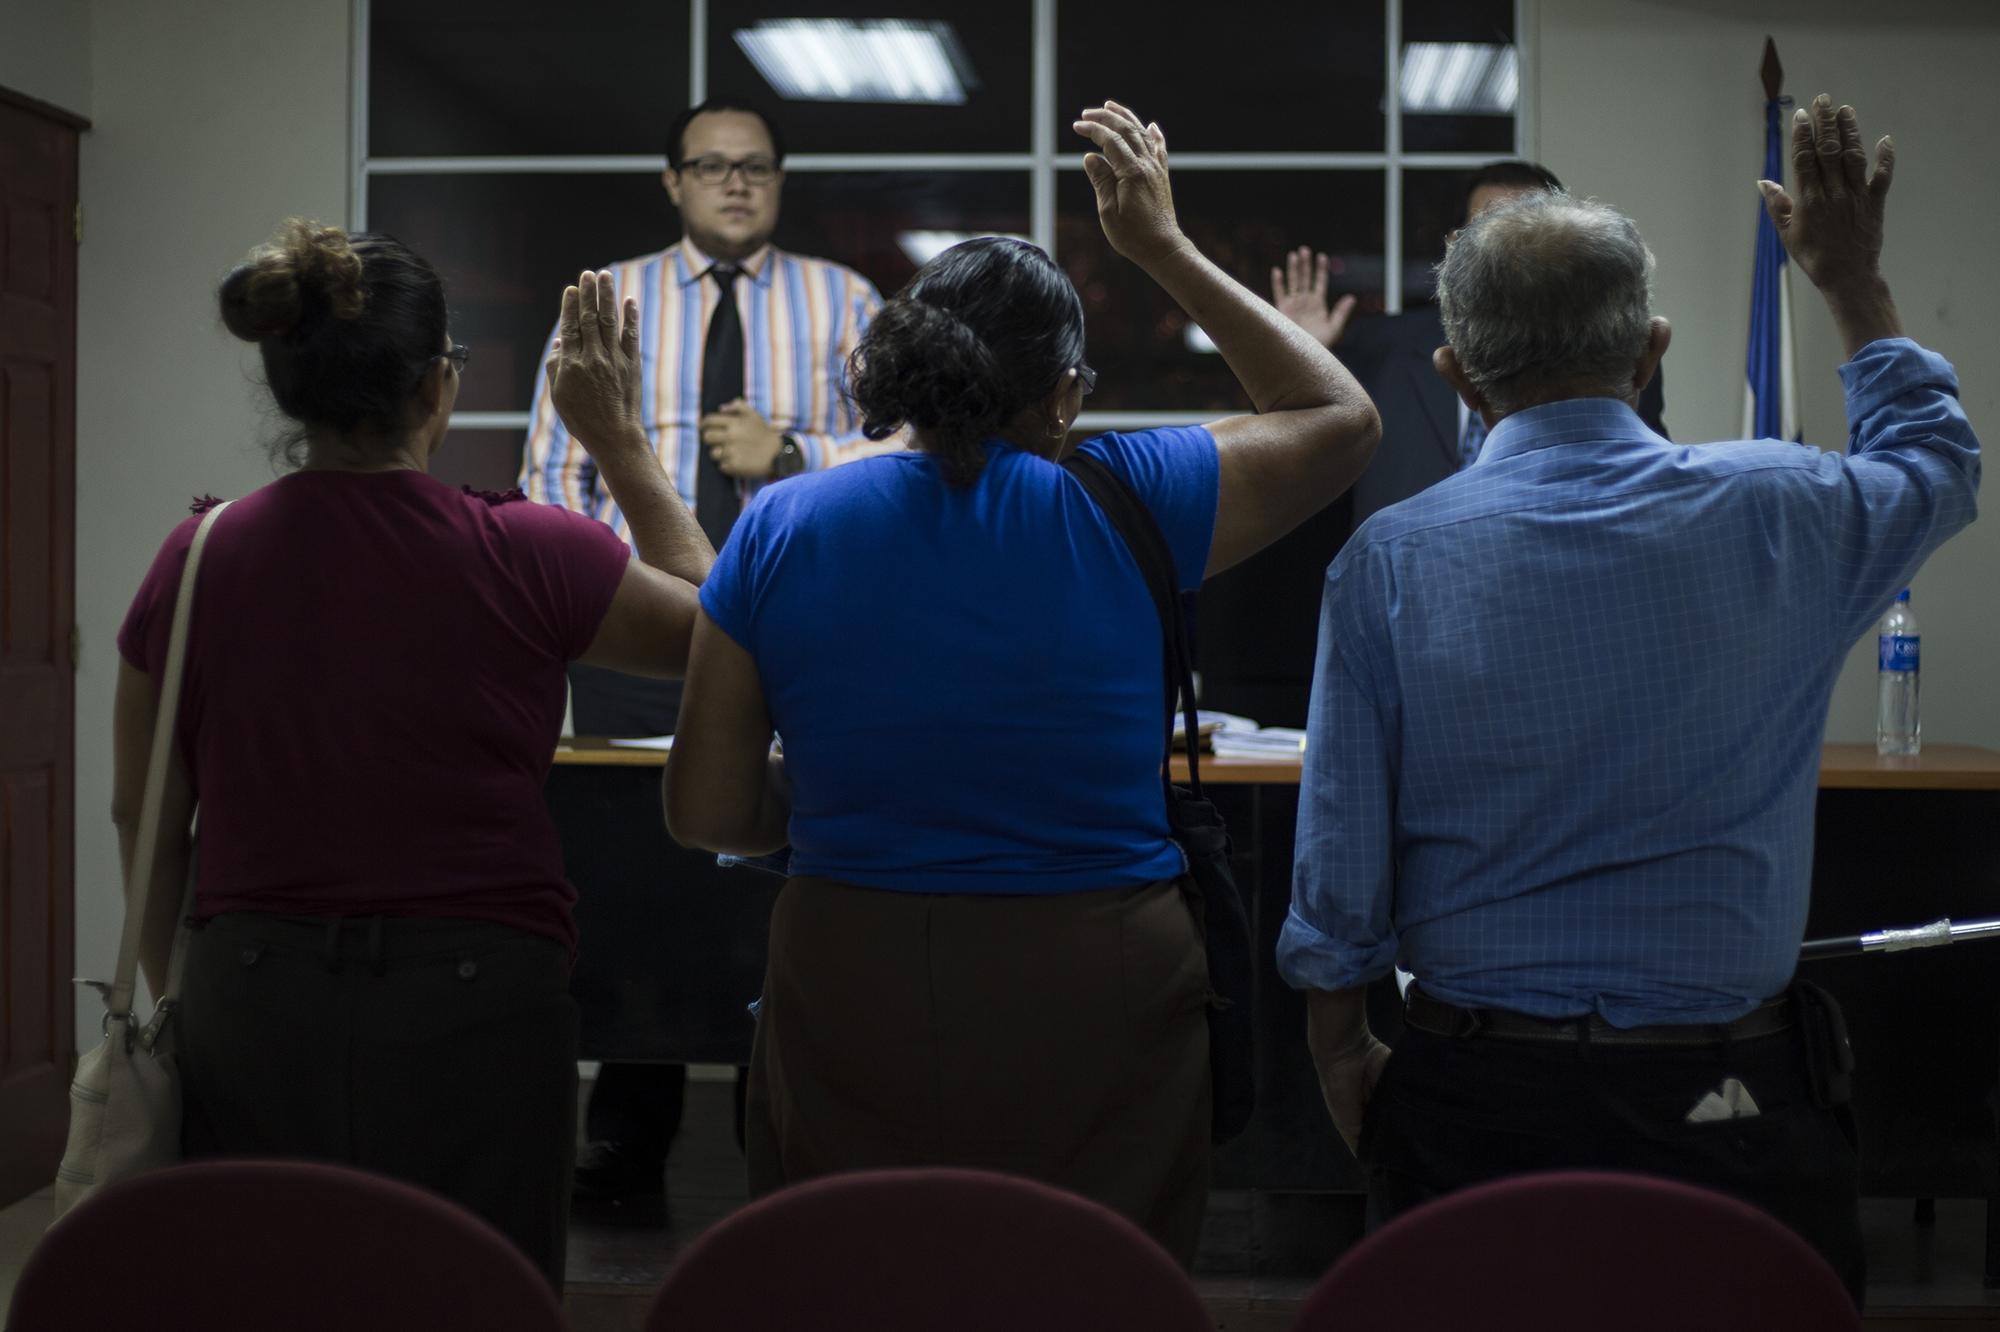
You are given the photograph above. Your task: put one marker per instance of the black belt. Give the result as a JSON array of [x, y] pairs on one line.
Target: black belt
[[1439, 1018]]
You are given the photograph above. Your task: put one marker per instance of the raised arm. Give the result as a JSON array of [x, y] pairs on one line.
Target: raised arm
[[1911, 476], [1315, 428], [553, 469], [1833, 229], [1301, 290], [594, 383]]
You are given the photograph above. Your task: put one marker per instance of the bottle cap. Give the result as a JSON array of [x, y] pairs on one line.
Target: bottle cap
[[1904, 595]]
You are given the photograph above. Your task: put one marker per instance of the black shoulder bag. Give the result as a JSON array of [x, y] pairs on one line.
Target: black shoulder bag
[[1192, 819]]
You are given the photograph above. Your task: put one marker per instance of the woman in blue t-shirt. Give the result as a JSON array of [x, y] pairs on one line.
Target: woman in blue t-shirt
[[985, 955]]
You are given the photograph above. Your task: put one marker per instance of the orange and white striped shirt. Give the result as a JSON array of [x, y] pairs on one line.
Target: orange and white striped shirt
[[801, 318]]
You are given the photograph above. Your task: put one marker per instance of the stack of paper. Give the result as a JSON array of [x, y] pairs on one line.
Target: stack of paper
[[1259, 742], [1228, 735]]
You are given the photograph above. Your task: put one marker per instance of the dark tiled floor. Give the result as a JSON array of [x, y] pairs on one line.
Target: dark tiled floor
[[1920, 1276]]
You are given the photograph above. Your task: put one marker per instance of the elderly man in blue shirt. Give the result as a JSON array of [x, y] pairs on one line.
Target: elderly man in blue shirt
[[1566, 724]]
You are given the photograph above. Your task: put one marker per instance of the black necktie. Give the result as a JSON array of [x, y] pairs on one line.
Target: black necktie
[[716, 504]]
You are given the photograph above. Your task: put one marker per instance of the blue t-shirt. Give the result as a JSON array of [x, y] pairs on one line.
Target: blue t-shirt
[[968, 682]]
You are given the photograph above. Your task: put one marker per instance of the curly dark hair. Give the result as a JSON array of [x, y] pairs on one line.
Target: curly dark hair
[[983, 330]]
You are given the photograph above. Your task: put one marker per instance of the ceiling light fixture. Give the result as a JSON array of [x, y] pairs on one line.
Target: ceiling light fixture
[[1460, 79], [918, 62]]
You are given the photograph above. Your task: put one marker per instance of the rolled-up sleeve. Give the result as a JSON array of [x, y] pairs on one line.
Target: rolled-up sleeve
[[1340, 931], [838, 438], [1910, 480]]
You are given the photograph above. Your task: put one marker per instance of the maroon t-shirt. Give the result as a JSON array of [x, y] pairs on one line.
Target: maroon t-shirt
[[373, 691]]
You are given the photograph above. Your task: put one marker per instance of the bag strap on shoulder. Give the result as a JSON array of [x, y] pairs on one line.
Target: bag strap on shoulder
[[1136, 524], [146, 844]]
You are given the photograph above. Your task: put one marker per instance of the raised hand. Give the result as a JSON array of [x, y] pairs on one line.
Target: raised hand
[[1299, 290], [1135, 205], [1832, 227], [594, 374]]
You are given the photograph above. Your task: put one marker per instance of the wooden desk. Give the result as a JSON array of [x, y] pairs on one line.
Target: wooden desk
[[1941, 767], [592, 753]]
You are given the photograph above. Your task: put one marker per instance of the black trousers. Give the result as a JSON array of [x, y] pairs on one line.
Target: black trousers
[[440, 1052], [1455, 1111], [636, 1106]]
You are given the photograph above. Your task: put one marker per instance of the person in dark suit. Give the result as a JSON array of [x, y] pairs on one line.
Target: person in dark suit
[[1254, 647], [1426, 432]]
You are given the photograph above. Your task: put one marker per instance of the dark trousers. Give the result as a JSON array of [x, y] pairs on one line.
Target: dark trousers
[[636, 1106], [440, 1052], [1061, 1037], [1455, 1111]]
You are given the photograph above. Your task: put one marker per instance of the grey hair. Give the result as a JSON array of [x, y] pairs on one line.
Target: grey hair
[[1544, 296]]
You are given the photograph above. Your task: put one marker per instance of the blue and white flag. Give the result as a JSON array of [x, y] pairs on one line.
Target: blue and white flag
[[1771, 393]]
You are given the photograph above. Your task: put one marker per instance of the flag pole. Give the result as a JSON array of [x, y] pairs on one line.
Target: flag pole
[[1770, 390]]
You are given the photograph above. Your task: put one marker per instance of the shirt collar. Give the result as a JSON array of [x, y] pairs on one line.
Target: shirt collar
[[693, 265], [1572, 421]]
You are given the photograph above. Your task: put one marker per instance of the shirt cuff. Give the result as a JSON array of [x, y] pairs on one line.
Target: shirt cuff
[[1311, 959], [1887, 368], [814, 446]]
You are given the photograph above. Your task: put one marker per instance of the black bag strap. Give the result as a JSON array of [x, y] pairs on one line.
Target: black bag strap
[[1128, 513]]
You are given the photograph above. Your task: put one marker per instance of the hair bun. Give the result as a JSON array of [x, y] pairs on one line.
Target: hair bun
[[922, 365], [304, 266]]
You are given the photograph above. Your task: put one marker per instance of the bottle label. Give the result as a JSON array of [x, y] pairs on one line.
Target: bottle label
[[1897, 652]]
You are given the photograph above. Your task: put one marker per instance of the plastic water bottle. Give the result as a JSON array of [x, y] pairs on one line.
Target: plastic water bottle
[[1898, 726]]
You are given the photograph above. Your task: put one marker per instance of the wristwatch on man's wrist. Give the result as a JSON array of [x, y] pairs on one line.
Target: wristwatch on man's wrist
[[791, 459]]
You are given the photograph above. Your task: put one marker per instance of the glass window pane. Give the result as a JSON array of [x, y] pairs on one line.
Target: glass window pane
[[1460, 76], [482, 459], [976, 56], [1274, 76], [508, 244], [1245, 221], [1433, 206], [885, 224], [523, 77]]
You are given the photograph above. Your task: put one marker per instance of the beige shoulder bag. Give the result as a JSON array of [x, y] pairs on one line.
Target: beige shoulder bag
[[125, 1102]]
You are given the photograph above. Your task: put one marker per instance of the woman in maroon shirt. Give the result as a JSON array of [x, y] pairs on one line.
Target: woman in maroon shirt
[[373, 690]]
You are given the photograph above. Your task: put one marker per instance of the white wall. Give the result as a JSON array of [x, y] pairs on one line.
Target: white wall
[[1655, 106], [45, 51], [211, 122]]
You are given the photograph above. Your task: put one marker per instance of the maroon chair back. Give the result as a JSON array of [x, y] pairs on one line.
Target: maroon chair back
[[253, 1245], [1576, 1250], [899, 1250]]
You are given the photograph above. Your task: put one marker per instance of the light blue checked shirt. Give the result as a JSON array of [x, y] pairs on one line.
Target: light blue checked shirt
[[1566, 724]]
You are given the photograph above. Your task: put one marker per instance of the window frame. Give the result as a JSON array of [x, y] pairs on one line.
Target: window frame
[[1040, 163]]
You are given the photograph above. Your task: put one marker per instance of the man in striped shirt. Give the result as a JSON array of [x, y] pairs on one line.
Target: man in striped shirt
[[796, 320], [743, 353]]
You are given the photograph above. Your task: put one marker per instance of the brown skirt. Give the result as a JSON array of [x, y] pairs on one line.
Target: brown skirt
[[1063, 1038]]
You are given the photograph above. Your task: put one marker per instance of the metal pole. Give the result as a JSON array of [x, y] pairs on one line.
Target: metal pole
[[1934, 935]]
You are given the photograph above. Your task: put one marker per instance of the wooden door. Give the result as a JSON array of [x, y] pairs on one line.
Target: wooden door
[[38, 242]]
